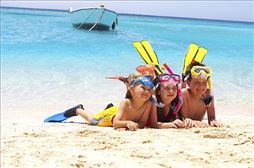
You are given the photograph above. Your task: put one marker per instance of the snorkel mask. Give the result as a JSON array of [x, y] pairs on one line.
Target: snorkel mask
[[169, 77], [147, 69], [164, 78], [206, 72], [145, 81], [203, 71], [199, 70]]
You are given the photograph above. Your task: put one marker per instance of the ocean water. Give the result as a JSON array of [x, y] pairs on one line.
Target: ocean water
[[47, 65]]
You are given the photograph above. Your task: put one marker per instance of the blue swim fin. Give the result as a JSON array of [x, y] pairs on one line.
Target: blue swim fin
[[59, 117]]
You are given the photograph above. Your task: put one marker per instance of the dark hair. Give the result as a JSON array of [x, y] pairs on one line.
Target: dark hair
[[188, 70], [173, 103]]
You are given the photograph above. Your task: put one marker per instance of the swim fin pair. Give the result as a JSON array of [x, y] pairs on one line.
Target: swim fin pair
[[194, 53], [62, 116], [147, 53]]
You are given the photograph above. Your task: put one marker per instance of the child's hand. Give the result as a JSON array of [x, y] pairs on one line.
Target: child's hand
[[215, 123], [132, 126], [189, 123], [178, 124]]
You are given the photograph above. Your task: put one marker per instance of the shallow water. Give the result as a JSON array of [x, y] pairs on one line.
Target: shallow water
[[47, 65]]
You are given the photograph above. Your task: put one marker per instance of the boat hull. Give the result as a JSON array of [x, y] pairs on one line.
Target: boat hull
[[94, 19]]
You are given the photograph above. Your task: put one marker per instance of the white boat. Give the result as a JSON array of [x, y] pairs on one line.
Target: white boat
[[93, 18]]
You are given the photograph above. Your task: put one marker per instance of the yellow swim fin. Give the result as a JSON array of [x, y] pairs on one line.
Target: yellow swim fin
[[200, 55], [150, 51], [147, 53], [189, 55], [142, 52]]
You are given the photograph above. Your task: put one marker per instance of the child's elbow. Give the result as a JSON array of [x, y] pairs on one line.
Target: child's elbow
[[114, 125], [141, 125], [155, 126]]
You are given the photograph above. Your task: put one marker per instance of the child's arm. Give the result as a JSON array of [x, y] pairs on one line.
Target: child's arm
[[153, 117], [153, 120], [145, 116], [211, 115], [118, 122], [184, 109]]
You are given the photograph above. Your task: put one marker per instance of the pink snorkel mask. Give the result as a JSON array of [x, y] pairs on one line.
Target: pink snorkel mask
[[169, 77], [175, 78]]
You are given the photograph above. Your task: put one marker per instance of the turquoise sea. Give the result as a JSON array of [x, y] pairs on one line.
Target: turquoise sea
[[47, 65]]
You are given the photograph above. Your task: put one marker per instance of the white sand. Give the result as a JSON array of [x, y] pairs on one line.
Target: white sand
[[25, 144]]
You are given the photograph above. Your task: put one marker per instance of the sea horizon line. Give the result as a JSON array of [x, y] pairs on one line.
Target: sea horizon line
[[138, 15]]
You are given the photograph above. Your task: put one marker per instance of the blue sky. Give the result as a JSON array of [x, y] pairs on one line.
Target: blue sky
[[221, 10]]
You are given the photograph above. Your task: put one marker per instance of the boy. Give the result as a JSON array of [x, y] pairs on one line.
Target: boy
[[132, 113], [197, 98]]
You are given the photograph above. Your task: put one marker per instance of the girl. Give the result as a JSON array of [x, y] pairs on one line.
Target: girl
[[166, 113]]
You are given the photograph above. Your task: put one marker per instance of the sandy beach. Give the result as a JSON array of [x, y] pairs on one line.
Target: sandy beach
[[33, 144]]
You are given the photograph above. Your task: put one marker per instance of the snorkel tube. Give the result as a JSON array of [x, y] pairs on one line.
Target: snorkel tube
[[121, 78], [179, 92], [208, 98]]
